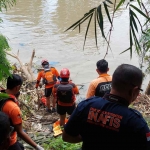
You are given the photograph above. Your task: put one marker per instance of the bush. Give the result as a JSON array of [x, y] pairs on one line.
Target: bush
[[59, 144]]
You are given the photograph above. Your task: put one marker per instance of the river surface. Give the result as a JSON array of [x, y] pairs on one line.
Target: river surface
[[40, 25]]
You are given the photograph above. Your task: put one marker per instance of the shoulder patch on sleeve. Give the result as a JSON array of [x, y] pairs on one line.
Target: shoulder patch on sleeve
[[148, 136]]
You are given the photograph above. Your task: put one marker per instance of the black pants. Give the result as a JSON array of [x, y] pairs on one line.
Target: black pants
[[62, 110], [16, 146], [48, 92]]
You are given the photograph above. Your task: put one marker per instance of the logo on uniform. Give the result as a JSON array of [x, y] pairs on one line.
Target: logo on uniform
[[104, 119], [112, 98], [148, 136], [63, 92], [105, 87]]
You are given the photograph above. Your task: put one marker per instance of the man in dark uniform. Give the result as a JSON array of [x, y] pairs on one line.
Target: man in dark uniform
[[107, 123]]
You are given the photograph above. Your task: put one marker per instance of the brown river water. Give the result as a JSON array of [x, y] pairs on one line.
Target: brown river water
[[40, 25]]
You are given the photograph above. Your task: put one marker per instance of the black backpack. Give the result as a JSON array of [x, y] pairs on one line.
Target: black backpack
[[4, 100], [65, 93], [2, 103], [103, 88]]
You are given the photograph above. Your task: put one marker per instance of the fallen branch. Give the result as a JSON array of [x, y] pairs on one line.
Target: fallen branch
[[27, 69]]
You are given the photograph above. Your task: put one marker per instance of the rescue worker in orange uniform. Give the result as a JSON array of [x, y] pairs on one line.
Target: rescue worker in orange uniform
[[11, 108], [101, 85], [48, 86], [65, 91]]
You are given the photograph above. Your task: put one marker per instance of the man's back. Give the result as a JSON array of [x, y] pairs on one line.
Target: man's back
[[99, 86], [74, 90], [105, 125], [41, 74]]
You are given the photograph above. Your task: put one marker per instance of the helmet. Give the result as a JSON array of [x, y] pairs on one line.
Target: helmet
[[65, 73], [44, 61]]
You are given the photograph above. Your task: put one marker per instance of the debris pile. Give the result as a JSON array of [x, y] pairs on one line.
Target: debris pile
[[142, 104]]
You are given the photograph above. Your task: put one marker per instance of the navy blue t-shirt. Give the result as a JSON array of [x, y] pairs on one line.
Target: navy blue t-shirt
[[107, 125]]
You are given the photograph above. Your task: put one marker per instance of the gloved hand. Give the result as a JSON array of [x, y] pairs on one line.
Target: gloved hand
[[38, 147]]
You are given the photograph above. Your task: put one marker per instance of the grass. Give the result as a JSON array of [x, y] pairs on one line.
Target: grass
[[59, 144]]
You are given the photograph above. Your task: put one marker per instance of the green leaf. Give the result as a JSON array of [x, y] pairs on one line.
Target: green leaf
[[100, 22], [107, 12], [109, 1], [139, 11], [87, 30], [1, 76], [2, 67], [79, 21], [139, 3], [133, 20], [95, 27], [79, 28], [3, 95], [126, 50], [120, 3], [131, 44], [148, 20], [136, 18], [137, 45], [135, 38], [82, 21], [6, 3]]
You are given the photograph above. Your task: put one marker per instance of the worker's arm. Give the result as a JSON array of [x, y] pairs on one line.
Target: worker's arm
[[91, 91], [17, 123], [71, 139], [76, 90], [38, 79], [73, 127], [24, 136]]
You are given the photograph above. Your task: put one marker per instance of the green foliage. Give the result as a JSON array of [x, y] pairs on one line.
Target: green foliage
[[59, 144], [144, 55], [145, 40], [4, 63], [147, 62], [133, 26], [3, 95], [4, 4]]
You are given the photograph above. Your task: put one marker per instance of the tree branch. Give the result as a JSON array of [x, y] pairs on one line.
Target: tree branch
[[23, 67], [110, 30], [29, 67]]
